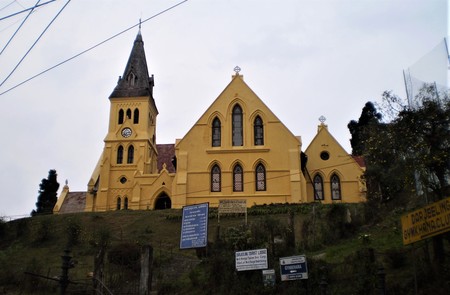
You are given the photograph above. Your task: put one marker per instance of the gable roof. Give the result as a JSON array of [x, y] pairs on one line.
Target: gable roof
[[166, 152], [74, 202]]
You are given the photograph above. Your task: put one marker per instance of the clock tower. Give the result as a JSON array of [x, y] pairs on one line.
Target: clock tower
[[130, 145]]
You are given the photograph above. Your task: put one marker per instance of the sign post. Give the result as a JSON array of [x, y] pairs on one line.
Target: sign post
[[426, 222], [232, 206], [293, 268], [194, 226], [251, 260]]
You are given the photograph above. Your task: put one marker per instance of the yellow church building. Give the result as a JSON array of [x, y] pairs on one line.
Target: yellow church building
[[238, 149]]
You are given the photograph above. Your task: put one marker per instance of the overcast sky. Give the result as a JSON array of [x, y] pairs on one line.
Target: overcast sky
[[303, 58]]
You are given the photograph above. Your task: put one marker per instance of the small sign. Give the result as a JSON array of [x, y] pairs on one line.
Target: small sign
[[251, 260], [268, 277], [426, 222], [293, 268], [232, 206], [194, 226]]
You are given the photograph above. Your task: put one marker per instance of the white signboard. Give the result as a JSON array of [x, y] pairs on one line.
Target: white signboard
[[251, 260], [232, 206]]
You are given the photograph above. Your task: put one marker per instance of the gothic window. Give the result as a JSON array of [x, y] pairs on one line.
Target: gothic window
[[128, 114], [216, 132], [258, 131], [119, 203], [120, 155], [125, 203], [237, 126], [121, 113], [335, 187], [136, 116], [215, 179], [130, 157], [238, 179], [318, 187], [260, 175]]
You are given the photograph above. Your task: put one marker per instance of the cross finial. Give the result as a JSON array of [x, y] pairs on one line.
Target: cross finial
[[140, 22], [322, 119], [237, 69]]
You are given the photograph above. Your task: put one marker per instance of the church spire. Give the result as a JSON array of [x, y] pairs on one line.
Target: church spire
[[135, 80]]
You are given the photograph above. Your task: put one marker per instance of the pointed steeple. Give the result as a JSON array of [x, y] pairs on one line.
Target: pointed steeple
[[135, 80]]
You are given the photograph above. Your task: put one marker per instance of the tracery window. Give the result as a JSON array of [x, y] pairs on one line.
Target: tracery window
[[216, 132], [318, 187], [125, 203], [237, 126], [121, 114], [258, 131], [216, 179], [130, 157], [260, 175], [120, 154], [335, 187], [238, 179], [119, 203], [136, 116]]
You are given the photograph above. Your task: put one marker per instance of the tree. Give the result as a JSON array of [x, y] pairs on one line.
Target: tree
[[47, 195], [369, 116]]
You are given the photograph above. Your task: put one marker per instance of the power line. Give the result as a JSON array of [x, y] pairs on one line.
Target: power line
[[32, 46], [12, 37], [92, 47], [25, 10]]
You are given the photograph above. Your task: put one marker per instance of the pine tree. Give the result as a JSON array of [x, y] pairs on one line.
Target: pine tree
[[47, 195]]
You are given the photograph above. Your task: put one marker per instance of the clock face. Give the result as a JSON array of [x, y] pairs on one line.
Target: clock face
[[126, 132]]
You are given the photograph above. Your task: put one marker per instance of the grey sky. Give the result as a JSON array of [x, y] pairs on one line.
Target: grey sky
[[303, 58]]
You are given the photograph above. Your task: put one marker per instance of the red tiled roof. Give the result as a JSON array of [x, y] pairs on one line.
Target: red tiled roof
[[73, 203], [360, 161], [166, 152]]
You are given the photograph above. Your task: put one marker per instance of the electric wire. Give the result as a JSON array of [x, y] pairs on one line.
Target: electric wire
[[35, 42], [12, 37], [90, 48], [4, 7], [26, 9]]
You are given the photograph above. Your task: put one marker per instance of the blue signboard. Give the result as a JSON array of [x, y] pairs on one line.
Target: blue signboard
[[293, 268], [194, 226]]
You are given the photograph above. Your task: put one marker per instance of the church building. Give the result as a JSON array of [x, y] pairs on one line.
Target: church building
[[238, 149]]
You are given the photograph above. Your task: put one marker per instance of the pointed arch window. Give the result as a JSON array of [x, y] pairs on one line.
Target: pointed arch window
[[128, 114], [237, 126], [119, 203], [130, 157], [335, 187], [260, 175], [216, 132], [125, 203], [136, 116], [318, 187], [258, 129], [238, 179], [120, 154], [216, 179], [121, 114]]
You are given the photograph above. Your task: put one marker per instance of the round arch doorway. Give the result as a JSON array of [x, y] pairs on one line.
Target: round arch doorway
[[163, 202]]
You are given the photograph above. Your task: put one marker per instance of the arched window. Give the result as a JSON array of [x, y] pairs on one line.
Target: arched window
[[335, 187], [216, 132], [128, 114], [260, 175], [119, 203], [238, 179], [215, 179], [258, 131], [318, 187], [121, 116], [130, 157], [237, 126], [136, 116], [120, 155], [125, 203]]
